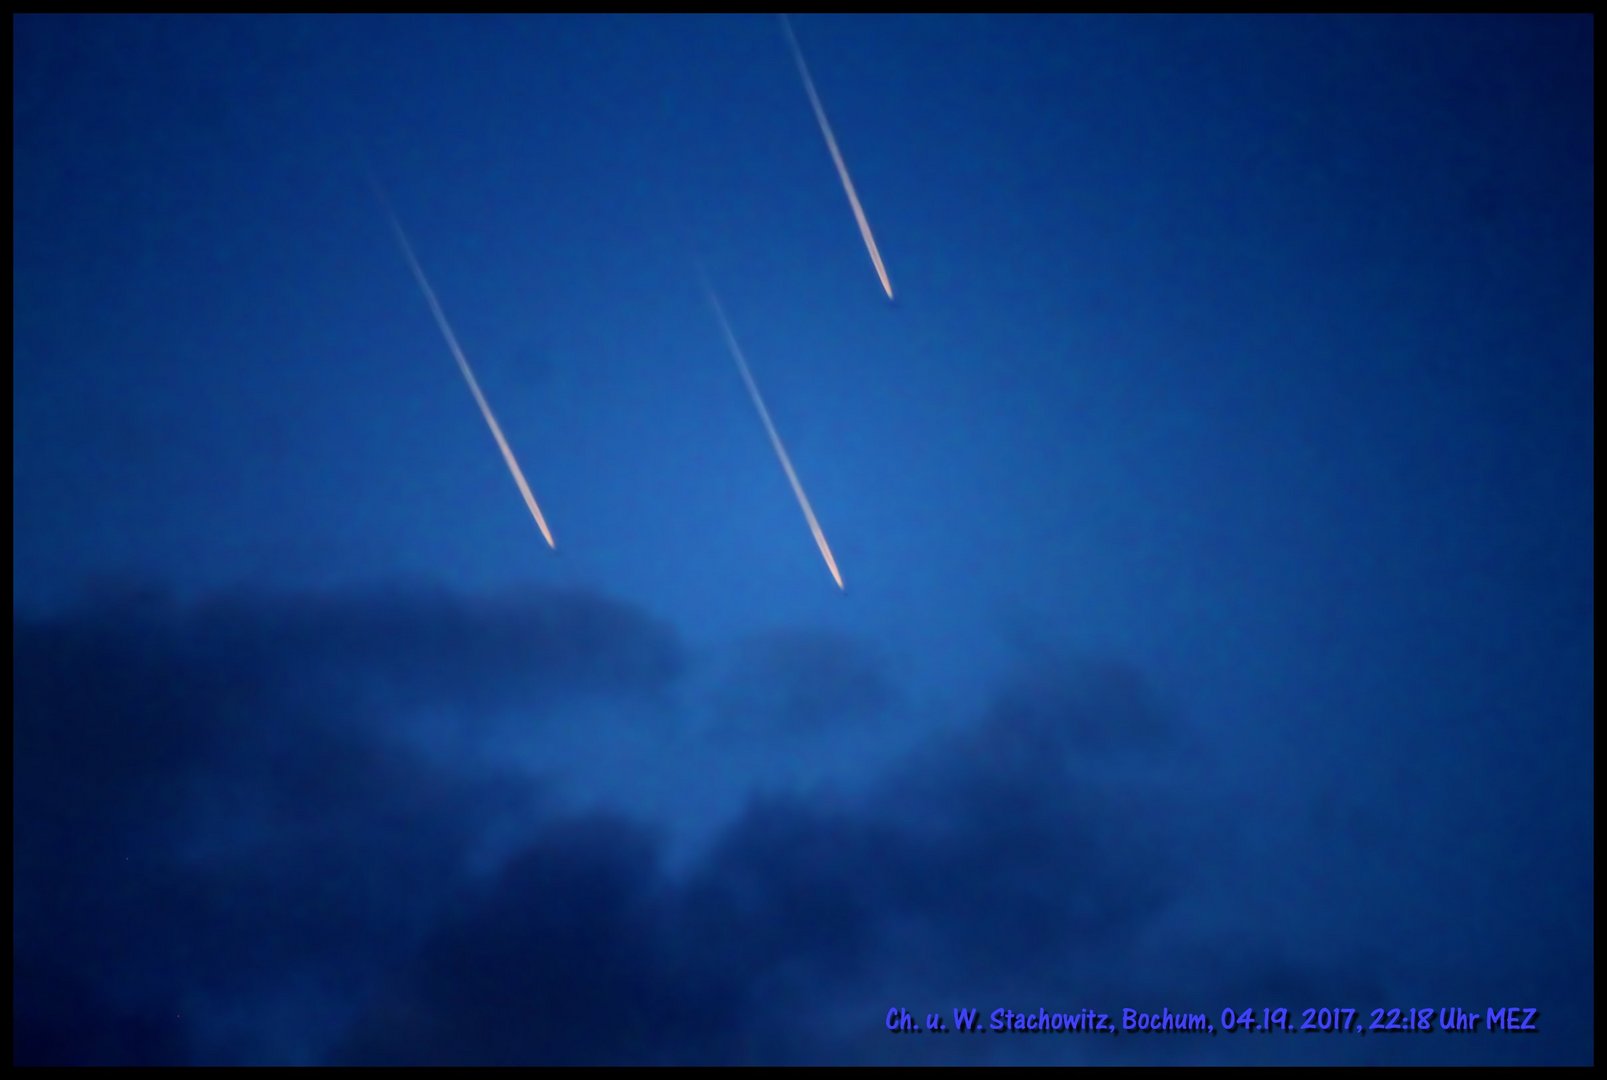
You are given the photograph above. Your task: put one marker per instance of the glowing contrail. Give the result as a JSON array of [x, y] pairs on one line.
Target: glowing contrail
[[775, 439], [837, 158], [463, 365]]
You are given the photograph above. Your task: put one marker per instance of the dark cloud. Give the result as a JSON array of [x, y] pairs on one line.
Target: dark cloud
[[1081, 707], [433, 645], [802, 680], [211, 802], [226, 851], [568, 959], [1000, 862], [215, 813]]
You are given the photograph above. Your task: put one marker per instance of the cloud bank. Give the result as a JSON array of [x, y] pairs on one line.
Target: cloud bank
[[231, 847]]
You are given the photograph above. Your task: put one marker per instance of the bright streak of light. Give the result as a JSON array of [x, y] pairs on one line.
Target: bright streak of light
[[463, 365], [775, 438], [837, 158]]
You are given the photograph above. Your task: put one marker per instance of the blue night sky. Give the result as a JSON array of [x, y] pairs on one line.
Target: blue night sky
[[1215, 506]]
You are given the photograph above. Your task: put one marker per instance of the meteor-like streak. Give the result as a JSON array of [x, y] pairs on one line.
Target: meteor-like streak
[[837, 158], [463, 365], [775, 439]]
